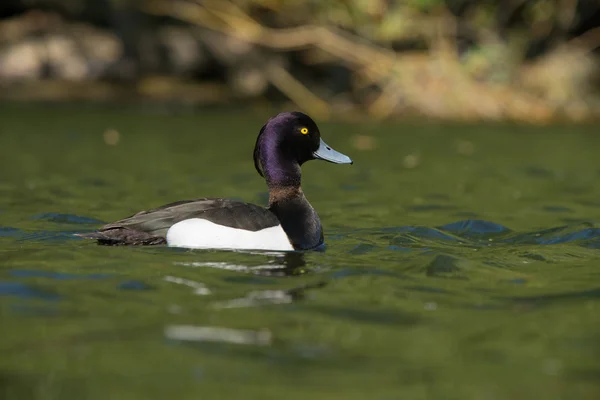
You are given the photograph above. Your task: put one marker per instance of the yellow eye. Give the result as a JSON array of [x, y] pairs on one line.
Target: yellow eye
[[304, 131]]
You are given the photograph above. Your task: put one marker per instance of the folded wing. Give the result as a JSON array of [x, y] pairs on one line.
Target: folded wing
[[150, 227]]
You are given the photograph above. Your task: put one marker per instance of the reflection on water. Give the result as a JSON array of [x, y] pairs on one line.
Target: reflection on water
[[199, 288], [217, 334], [467, 276], [279, 264], [257, 298]]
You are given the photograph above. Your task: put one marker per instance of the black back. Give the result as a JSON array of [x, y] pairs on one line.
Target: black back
[[231, 213]]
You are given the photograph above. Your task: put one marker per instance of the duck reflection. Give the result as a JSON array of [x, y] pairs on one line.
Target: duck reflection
[[279, 264]]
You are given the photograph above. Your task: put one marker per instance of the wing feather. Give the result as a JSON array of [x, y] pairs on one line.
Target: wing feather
[[232, 213]]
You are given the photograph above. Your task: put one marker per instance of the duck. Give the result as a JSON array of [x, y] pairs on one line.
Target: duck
[[289, 222]]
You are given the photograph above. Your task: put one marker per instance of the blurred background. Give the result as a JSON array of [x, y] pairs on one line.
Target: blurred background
[[520, 60]]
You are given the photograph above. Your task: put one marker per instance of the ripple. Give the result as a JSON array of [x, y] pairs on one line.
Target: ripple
[[347, 272], [479, 231], [134, 285], [426, 289], [41, 235], [249, 279], [420, 235], [49, 236], [444, 266], [7, 231], [66, 219], [56, 275], [363, 248], [32, 311], [465, 234], [557, 209], [550, 298], [385, 317], [585, 234], [430, 207], [18, 289], [475, 228]]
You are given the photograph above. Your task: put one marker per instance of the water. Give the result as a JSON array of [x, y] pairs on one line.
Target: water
[[462, 262]]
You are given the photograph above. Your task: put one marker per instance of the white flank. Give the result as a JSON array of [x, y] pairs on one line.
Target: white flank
[[197, 233]]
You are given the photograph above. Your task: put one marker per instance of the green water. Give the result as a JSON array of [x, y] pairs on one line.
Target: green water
[[462, 262]]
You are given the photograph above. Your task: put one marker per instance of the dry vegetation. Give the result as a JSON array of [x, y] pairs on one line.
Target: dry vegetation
[[341, 58]]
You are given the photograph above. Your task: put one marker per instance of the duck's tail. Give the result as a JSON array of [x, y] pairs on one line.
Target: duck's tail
[[123, 237]]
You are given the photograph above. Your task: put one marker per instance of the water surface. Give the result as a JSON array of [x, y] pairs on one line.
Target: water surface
[[462, 262]]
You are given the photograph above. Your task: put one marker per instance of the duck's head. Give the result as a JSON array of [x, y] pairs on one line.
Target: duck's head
[[286, 142]]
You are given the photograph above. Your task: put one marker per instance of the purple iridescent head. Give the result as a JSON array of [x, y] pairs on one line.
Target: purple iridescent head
[[286, 142]]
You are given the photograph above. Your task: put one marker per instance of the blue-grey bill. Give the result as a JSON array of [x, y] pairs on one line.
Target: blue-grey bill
[[324, 152]]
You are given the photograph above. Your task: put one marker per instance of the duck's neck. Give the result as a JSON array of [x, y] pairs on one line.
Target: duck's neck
[[298, 219], [286, 200], [280, 172]]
